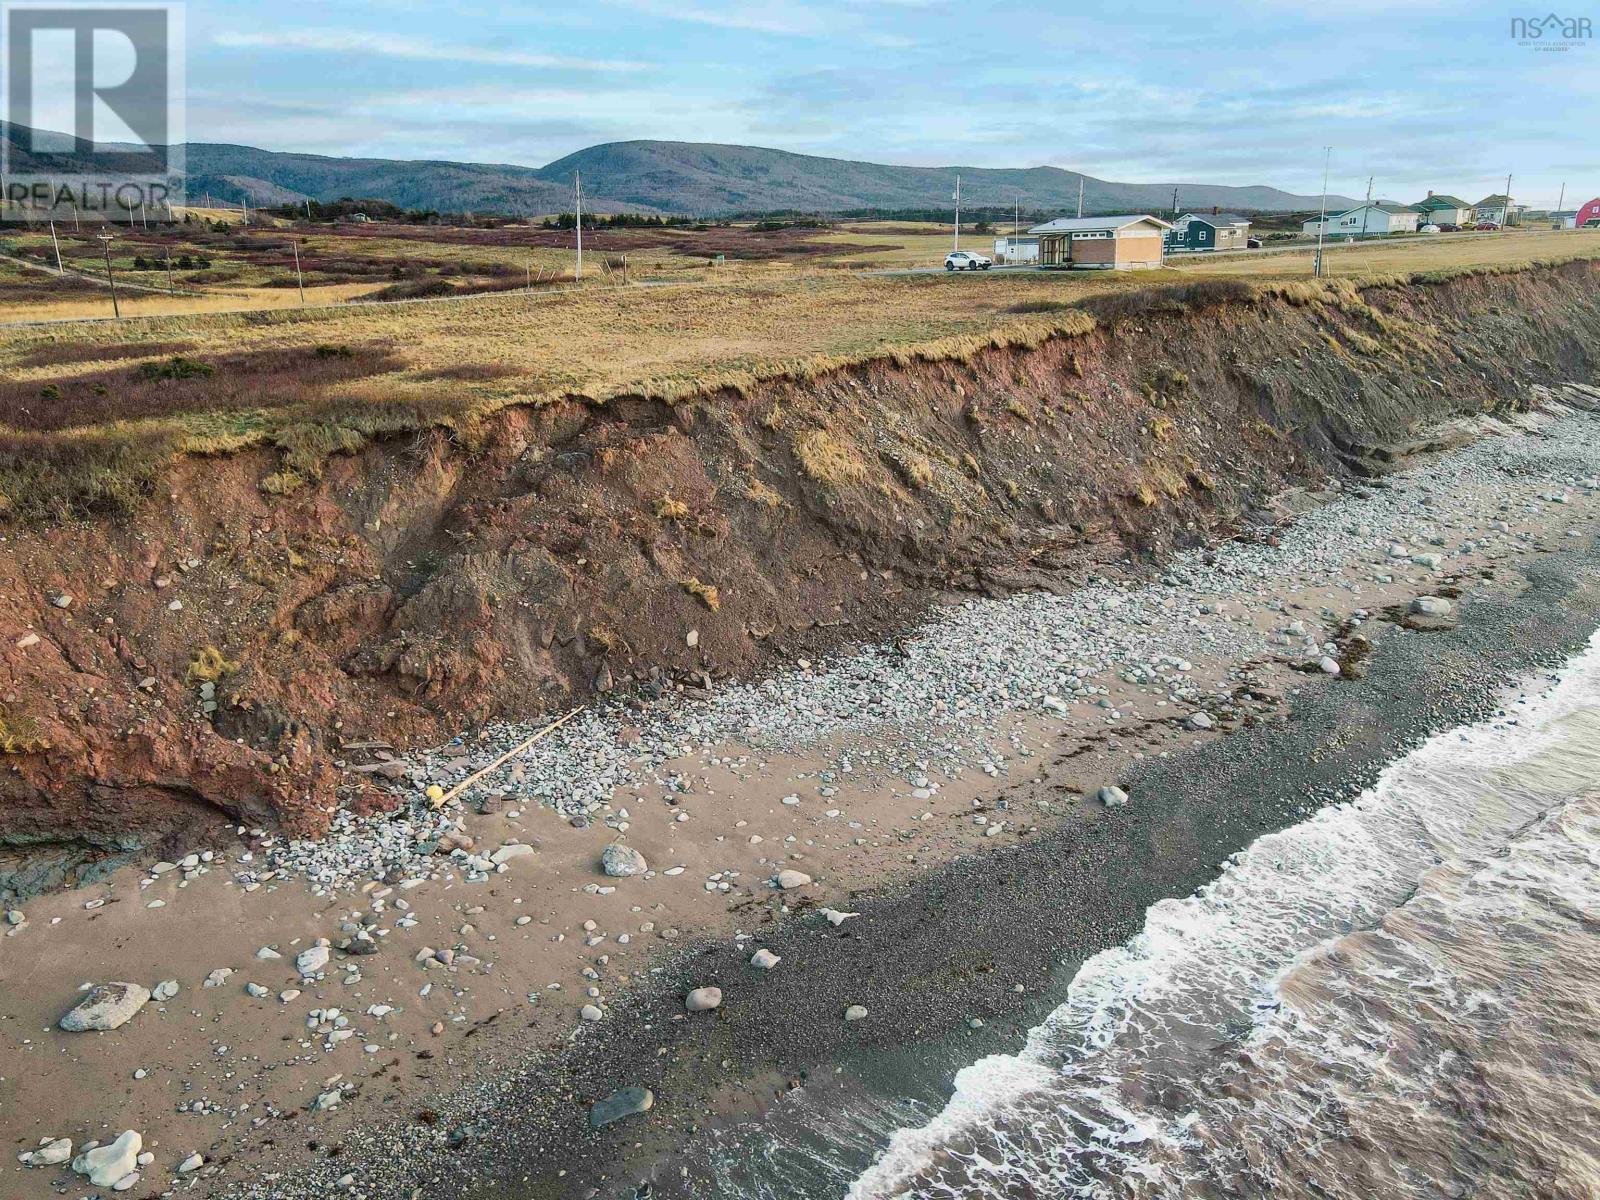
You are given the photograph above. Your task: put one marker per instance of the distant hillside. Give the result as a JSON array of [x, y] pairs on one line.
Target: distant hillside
[[680, 177], [706, 178], [269, 177]]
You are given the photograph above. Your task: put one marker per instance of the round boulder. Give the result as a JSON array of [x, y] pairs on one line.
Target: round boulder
[[703, 999], [1431, 606], [622, 862]]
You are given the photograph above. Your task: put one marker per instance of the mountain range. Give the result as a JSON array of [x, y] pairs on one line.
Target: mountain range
[[693, 178]]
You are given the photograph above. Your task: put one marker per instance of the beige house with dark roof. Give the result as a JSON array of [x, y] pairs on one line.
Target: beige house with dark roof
[[1124, 242]]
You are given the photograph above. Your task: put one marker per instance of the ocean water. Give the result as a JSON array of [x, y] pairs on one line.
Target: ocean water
[[1398, 998]]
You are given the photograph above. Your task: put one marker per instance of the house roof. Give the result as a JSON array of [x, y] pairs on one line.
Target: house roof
[[1493, 201], [1441, 200], [1390, 207], [1095, 224], [1216, 219]]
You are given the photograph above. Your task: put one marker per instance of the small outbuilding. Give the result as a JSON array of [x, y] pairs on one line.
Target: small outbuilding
[[1016, 248], [1587, 217], [1122, 242], [1209, 231]]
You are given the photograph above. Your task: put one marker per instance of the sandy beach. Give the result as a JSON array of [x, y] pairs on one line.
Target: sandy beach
[[486, 987]]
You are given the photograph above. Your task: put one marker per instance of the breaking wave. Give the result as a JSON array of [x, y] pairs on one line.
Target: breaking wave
[[1394, 998]]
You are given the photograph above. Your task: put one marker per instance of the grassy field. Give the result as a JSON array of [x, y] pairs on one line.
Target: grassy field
[[1409, 254], [88, 411], [222, 258], [904, 243]]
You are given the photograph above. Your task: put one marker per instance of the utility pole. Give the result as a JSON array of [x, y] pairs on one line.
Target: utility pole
[[1505, 213], [60, 270], [577, 203], [1559, 220], [299, 278], [1366, 210], [105, 243], [1080, 195], [1322, 220], [1174, 202], [958, 211]]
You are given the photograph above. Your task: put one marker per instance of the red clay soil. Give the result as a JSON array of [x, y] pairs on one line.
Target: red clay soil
[[420, 588]]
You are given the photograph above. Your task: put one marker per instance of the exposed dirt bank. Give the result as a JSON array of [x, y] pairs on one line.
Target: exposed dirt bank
[[215, 656]]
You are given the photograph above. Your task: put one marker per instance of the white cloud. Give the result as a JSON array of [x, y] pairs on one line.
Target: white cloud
[[788, 20], [345, 41]]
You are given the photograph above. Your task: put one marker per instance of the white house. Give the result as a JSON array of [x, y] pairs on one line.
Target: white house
[[1441, 208], [1368, 220], [1016, 248]]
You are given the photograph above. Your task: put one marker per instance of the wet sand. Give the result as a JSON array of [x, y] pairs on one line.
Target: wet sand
[[997, 937]]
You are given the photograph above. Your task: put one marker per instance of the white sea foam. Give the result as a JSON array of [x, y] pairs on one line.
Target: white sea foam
[[1330, 1005]]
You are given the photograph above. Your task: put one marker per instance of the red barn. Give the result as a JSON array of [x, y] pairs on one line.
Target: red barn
[[1589, 212]]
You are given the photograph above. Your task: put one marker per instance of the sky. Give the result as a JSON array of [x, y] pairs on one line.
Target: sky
[[1421, 95]]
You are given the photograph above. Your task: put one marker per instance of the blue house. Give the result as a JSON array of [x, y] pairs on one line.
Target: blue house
[[1208, 231]]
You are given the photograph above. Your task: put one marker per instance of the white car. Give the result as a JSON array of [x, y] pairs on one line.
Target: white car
[[965, 260]]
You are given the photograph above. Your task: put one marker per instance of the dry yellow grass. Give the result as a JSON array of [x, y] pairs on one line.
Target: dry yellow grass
[[18, 734], [79, 306], [209, 665], [707, 593], [1406, 255], [671, 343], [759, 492], [903, 244], [828, 460], [228, 216]]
